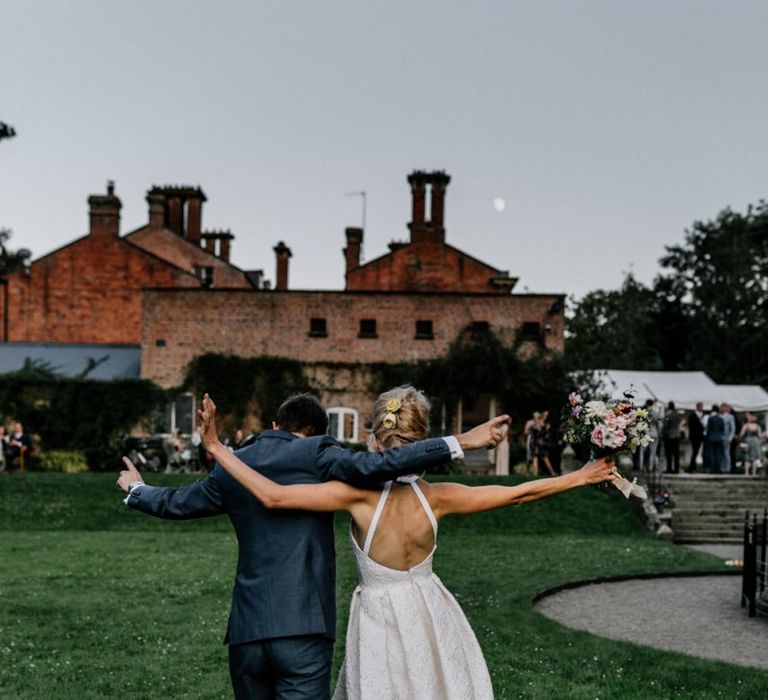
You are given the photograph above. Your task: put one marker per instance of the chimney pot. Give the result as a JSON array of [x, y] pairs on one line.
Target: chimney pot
[[354, 245], [283, 253], [104, 211], [422, 228]]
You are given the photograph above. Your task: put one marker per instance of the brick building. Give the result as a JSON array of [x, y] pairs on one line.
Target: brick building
[[89, 291], [407, 305], [108, 290]]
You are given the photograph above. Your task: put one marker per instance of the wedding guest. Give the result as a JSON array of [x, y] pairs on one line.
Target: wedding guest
[[714, 442], [671, 437], [19, 447], [528, 435], [3, 447], [541, 433], [649, 455], [730, 436], [751, 435], [695, 433]]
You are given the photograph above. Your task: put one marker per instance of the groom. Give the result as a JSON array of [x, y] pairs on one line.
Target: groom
[[283, 617]]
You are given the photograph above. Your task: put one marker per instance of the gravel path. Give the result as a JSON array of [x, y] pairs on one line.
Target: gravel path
[[699, 616]]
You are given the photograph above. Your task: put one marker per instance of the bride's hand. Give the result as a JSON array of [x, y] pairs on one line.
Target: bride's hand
[[597, 471], [207, 427]]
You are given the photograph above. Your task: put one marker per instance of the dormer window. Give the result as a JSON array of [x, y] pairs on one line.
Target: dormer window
[[204, 273]]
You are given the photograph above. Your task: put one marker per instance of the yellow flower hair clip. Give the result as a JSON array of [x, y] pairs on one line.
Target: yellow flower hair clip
[[390, 418]]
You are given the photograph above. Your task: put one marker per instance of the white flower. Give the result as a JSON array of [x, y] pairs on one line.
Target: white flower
[[595, 409]]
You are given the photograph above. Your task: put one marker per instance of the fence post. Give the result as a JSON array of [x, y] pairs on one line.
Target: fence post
[[744, 558]]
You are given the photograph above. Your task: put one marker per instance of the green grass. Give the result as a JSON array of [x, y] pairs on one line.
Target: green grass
[[101, 601]]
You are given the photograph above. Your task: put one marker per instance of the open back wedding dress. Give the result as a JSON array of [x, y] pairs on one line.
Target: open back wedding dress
[[407, 638]]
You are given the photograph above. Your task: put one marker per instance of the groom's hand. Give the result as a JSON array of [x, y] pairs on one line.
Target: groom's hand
[[488, 434], [128, 476]]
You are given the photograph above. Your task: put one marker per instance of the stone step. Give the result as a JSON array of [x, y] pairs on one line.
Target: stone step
[[734, 506], [719, 493], [738, 511], [705, 532]]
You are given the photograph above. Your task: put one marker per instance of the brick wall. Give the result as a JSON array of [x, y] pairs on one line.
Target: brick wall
[[86, 292], [424, 266], [177, 325]]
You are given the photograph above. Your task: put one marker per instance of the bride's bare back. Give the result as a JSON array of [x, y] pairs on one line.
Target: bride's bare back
[[404, 536]]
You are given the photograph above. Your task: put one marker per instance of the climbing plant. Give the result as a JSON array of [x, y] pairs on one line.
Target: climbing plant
[[244, 385]]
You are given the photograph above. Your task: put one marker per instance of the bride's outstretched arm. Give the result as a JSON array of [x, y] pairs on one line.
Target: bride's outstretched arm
[[449, 498], [328, 496]]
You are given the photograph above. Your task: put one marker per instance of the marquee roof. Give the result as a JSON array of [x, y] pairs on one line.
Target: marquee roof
[[684, 388]]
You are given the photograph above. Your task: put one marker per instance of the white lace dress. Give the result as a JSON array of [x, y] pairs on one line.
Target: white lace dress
[[407, 638]]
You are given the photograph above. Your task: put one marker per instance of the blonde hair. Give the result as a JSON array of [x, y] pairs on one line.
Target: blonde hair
[[411, 416]]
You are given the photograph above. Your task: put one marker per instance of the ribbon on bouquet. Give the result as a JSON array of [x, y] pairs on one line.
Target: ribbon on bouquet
[[629, 488]]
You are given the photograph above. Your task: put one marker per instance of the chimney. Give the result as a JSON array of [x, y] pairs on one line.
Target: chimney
[[194, 218], [225, 239], [156, 202], [418, 195], [105, 212], [283, 252], [175, 214], [209, 238], [428, 226], [352, 251]]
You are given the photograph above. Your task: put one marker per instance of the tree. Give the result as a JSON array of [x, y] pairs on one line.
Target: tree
[[614, 329], [11, 261], [6, 131], [720, 273]]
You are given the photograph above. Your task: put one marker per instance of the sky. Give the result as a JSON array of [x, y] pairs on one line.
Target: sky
[[606, 128]]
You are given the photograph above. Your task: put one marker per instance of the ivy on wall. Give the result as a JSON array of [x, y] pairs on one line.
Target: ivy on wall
[[244, 385], [480, 363]]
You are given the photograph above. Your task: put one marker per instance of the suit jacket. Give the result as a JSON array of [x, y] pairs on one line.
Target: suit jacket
[[695, 426], [715, 428], [286, 570], [730, 426]]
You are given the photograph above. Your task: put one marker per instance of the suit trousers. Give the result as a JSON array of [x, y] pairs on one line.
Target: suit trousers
[[288, 668]]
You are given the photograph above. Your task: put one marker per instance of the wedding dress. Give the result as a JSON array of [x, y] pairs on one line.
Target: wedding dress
[[407, 638]]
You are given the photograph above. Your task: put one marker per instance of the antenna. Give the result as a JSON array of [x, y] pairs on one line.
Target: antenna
[[364, 197]]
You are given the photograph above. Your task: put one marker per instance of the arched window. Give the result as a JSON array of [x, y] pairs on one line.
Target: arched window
[[343, 424]]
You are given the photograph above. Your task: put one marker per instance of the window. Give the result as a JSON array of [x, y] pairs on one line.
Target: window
[[530, 330], [343, 424], [424, 330], [479, 327], [318, 328], [178, 413], [205, 273], [367, 328], [160, 343]]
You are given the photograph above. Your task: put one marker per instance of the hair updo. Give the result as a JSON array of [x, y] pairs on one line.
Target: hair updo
[[411, 416]]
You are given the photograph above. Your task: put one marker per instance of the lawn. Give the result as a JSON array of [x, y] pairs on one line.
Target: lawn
[[101, 601]]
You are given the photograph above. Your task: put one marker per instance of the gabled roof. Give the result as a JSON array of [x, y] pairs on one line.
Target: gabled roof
[[183, 242]]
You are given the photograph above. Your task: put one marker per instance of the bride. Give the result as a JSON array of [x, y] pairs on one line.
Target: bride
[[407, 637]]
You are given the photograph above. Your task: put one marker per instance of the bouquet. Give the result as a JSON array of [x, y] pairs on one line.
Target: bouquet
[[607, 429]]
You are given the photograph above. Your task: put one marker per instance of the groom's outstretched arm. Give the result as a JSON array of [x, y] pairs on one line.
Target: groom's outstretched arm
[[365, 467], [198, 500]]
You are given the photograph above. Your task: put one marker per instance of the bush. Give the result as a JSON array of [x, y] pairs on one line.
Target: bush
[[67, 461], [73, 413]]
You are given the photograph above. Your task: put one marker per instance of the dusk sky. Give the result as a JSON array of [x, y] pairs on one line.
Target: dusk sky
[[605, 128]]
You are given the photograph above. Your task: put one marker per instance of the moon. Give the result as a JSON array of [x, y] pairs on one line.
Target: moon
[[499, 204]]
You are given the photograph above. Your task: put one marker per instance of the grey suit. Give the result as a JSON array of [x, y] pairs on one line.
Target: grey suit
[[285, 582]]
